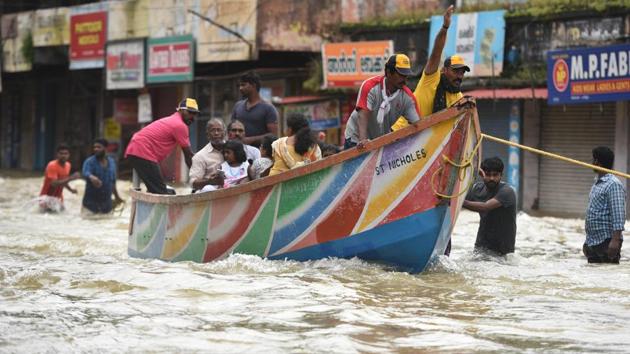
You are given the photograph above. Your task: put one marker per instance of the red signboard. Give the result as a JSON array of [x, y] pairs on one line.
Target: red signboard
[[170, 59], [126, 110], [87, 35]]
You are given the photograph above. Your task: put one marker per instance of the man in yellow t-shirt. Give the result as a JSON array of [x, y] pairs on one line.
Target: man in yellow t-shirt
[[438, 89]]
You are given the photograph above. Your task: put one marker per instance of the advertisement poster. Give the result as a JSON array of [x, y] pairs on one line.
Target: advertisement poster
[[586, 75], [16, 29], [477, 37], [88, 29], [170, 59], [349, 64], [51, 27], [126, 111], [321, 115], [217, 45], [145, 114], [125, 65]]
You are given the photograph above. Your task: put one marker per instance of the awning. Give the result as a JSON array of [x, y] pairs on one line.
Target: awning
[[302, 99], [503, 93]]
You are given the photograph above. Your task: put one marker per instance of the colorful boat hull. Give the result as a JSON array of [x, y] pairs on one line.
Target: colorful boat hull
[[379, 204]]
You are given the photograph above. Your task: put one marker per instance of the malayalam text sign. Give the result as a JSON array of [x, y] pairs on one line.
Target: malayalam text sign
[[170, 59], [589, 75], [478, 37], [349, 64], [125, 65], [87, 38]]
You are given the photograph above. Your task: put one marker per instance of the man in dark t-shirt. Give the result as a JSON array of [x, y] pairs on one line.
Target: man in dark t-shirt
[[495, 201], [259, 117]]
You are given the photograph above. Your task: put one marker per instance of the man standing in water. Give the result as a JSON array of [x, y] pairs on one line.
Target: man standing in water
[[606, 212], [381, 100], [154, 142], [56, 178], [260, 118], [495, 201], [99, 172]]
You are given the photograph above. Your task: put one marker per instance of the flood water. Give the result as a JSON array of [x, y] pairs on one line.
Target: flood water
[[67, 285]]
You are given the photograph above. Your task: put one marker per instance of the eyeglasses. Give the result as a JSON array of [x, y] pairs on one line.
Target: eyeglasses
[[237, 130]]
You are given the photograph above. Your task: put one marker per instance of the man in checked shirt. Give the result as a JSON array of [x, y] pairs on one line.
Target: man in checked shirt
[[606, 213]]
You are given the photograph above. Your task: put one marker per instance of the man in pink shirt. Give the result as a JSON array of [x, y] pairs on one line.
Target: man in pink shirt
[[154, 142]]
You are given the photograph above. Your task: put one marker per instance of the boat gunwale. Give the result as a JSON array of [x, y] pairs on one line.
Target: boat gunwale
[[464, 105]]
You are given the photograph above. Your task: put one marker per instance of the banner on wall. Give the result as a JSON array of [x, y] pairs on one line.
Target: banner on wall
[[477, 37], [321, 115], [88, 26], [349, 64], [145, 114], [51, 27], [16, 32], [217, 45], [170, 59], [125, 65], [126, 111], [589, 75]]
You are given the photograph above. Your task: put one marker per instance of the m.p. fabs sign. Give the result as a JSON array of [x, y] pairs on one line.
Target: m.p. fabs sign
[[589, 75]]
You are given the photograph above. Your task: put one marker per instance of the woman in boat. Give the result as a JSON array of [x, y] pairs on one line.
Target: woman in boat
[[298, 148]]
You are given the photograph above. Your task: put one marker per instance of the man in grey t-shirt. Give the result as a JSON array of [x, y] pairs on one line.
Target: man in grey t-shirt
[[259, 117], [495, 201], [381, 101]]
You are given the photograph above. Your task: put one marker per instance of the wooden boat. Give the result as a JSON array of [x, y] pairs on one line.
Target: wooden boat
[[379, 203]]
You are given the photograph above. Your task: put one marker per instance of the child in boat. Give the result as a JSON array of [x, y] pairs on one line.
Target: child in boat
[[261, 166], [297, 149], [235, 165]]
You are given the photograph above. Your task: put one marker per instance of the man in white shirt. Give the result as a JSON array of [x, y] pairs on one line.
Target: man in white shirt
[[206, 162]]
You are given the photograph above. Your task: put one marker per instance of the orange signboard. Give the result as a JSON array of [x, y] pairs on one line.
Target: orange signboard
[[349, 64]]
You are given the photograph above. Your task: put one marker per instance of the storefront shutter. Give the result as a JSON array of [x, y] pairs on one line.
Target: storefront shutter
[[572, 131]]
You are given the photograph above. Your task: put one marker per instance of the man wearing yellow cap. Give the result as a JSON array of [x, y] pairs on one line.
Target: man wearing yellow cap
[[438, 90], [381, 100], [154, 142]]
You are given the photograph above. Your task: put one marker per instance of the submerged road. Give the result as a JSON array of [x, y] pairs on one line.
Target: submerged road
[[67, 285]]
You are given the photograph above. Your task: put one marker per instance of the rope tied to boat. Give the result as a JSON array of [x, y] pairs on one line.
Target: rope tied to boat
[[464, 166]]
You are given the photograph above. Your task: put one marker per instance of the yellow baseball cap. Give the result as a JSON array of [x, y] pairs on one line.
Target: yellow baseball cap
[[189, 104], [455, 62], [401, 63]]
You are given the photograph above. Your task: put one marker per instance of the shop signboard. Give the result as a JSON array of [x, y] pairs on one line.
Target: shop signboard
[[170, 59], [478, 37], [145, 114], [125, 65], [50, 27], [16, 31], [321, 115], [349, 64], [126, 111], [217, 45], [88, 29], [588, 75]]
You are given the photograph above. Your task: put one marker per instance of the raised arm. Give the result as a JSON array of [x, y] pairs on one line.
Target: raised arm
[[438, 45]]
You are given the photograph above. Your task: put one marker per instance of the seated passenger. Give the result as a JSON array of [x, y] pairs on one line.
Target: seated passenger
[[261, 166], [297, 149], [235, 165], [234, 168], [329, 149]]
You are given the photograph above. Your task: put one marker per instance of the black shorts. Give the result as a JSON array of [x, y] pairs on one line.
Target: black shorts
[[599, 253]]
